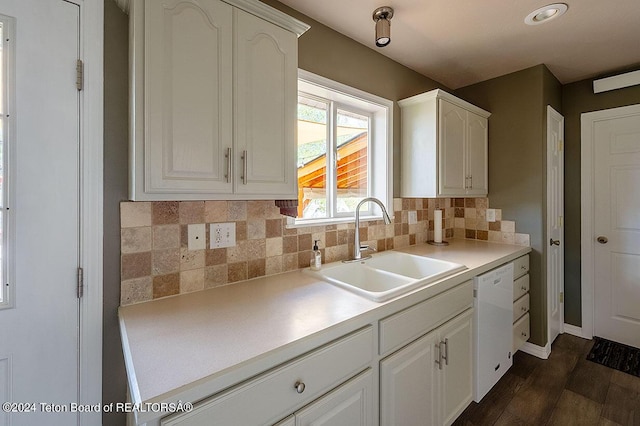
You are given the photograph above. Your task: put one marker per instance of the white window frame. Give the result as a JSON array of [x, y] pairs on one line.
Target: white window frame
[[8, 158], [380, 166]]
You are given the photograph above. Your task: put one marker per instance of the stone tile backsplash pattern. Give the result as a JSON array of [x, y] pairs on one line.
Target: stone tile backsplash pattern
[[156, 262]]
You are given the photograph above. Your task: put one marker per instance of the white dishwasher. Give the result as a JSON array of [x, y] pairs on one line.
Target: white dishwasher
[[493, 327]]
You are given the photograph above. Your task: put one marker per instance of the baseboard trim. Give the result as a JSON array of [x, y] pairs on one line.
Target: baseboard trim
[[542, 352], [574, 330]]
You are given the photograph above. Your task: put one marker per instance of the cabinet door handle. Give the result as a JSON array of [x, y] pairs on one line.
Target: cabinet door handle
[[439, 360], [553, 242], [228, 157], [244, 167], [299, 386], [446, 351]]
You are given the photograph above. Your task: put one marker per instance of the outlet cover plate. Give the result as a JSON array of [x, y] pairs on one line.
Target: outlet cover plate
[[222, 235], [491, 215], [413, 217], [197, 238]]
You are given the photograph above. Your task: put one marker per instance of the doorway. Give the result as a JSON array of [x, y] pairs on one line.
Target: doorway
[[555, 223], [50, 339], [611, 224]]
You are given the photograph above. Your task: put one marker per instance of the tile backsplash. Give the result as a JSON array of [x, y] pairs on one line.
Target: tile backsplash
[[156, 262]]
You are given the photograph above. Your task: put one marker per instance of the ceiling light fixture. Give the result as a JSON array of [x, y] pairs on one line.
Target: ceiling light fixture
[[382, 17], [546, 13]]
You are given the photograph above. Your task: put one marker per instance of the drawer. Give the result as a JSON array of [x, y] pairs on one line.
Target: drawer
[[406, 326], [521, 266], [520, 287], [520, 332], [520, 307], [272, 396]]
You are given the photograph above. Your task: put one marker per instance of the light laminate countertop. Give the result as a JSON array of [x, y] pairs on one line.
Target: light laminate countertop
[[191, 345]]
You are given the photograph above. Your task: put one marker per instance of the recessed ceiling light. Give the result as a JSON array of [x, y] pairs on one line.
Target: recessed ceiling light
[[546, 13]]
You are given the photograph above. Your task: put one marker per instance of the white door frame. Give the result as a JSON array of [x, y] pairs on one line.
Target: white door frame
[[552, 113], [587, 123], [91, 209]]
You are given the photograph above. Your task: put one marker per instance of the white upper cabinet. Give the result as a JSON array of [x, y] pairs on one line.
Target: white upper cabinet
[[213, 100], [266, 76], [444, 147]]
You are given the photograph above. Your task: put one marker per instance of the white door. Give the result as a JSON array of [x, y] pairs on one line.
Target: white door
[[457, 373], [409, 385], [477, 155], [555, 223], [188, 96], [616, 225], [39, 334], [266, 68], [452, 128]]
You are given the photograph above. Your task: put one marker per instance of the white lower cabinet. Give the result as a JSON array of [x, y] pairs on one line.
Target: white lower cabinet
[[351, 404], [421, 360], [429, 381]]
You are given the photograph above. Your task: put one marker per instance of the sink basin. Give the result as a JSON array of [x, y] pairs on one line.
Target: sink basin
[[416, 267], [387, 275]]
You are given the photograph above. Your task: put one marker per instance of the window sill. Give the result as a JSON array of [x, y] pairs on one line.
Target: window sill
[[304, 223]]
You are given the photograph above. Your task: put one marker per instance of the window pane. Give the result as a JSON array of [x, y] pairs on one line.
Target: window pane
[[352, 157], [312, 158]]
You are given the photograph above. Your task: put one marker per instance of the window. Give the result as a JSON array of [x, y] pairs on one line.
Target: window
[[344, 151], [6, 56]]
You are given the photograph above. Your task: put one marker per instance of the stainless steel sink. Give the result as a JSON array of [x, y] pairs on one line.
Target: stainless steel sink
[[387, 275]]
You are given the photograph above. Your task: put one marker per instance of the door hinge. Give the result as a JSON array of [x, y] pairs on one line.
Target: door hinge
[[80, 282], [561, 220], [79, 74], [560, 145], [562, 297]]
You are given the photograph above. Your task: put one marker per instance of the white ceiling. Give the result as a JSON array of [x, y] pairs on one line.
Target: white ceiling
[[466, 41]]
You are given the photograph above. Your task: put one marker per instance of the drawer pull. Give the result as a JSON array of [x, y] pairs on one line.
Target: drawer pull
[[524, 309], [524, 334], [299, 386], [523, 288]]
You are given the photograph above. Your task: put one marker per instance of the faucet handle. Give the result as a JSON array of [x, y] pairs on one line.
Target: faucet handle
[[367, 247]]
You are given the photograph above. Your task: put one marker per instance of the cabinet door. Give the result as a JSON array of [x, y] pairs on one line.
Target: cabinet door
[[457, 375], [266, 70], [452, 130], [187, 97], [477, 154], [408, 383], [351, 404]]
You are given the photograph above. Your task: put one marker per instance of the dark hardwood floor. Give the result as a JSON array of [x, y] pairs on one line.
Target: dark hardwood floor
[[565, 389]]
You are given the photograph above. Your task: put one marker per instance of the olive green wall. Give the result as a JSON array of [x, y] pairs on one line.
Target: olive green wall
[[116, 116], [578, 98], [517, 140], [330, 54]]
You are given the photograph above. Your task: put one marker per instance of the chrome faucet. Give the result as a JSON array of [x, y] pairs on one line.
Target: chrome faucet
[[357, 248]]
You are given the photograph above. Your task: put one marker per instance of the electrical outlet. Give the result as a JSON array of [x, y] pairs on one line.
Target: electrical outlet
[[197, 239], [222, 235], [491, 215]]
